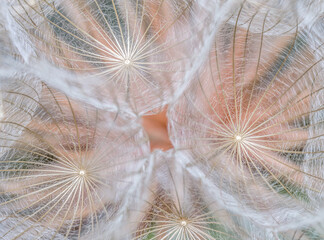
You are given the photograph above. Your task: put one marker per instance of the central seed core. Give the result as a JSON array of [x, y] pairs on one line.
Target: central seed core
[[127, 62], [82, 173], [238, 138], [183, 223]]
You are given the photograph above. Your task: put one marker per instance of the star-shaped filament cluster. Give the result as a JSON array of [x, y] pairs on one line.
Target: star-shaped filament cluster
[[122, 45], [68, 170], [171, 208], [254, 116]]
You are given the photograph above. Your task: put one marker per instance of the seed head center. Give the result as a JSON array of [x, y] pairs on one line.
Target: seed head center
[[127, 62], [238, 138], [183, 223], [82, 172]]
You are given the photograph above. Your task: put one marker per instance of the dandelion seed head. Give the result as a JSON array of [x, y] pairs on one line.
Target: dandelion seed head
[[56, 176], [66, 177], [176, 209], [252, 114], [134, 47]]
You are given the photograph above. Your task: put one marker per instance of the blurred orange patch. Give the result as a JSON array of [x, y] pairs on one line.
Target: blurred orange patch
[[156, 127]]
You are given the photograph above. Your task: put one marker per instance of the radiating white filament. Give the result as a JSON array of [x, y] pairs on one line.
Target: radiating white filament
[[1, 107]]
